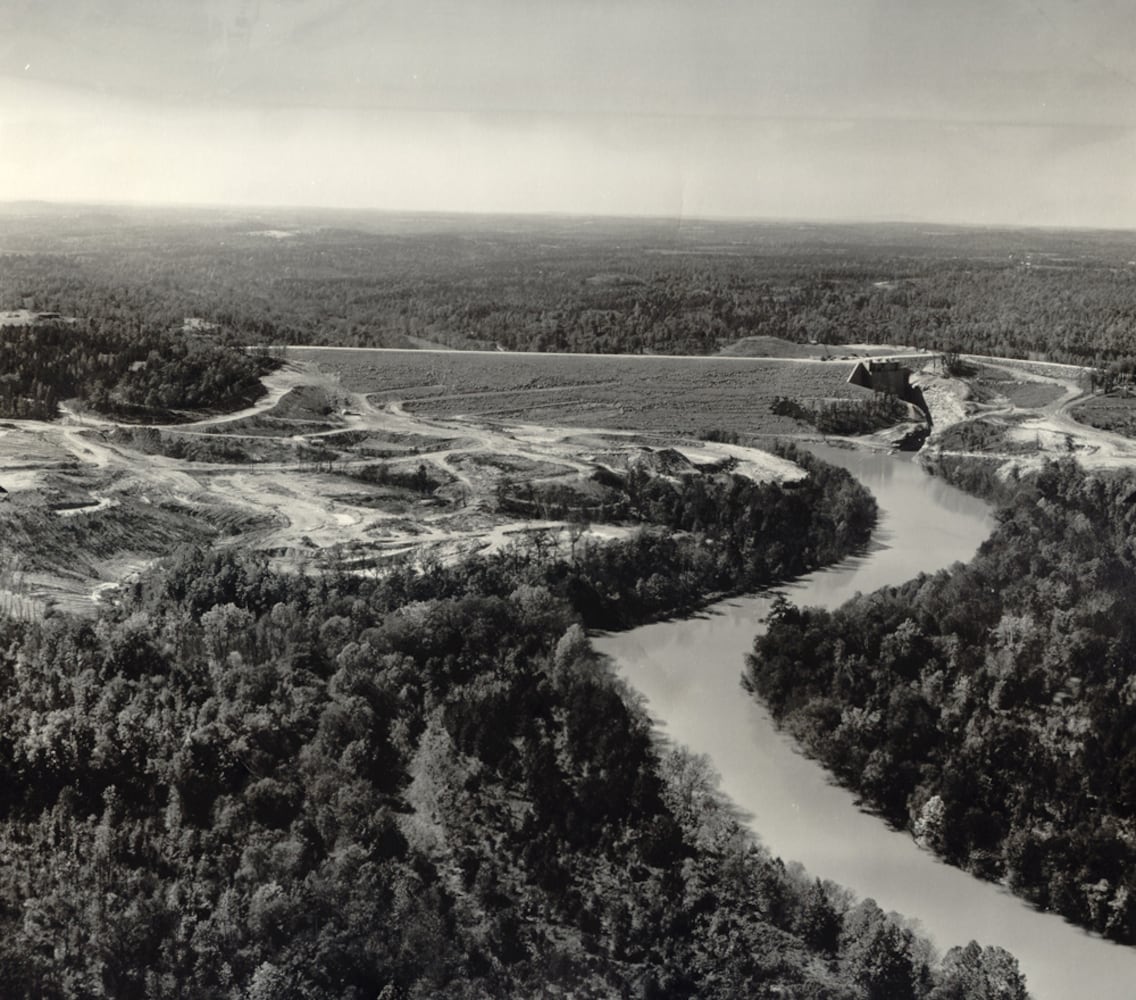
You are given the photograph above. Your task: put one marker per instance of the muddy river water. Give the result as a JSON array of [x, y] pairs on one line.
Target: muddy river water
[[689, 671]]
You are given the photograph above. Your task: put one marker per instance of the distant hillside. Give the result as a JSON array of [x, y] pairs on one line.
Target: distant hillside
[[774, 347]]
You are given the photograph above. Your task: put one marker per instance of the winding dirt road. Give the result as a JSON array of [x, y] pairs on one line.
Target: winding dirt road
[[1050, 427], [296, 510]]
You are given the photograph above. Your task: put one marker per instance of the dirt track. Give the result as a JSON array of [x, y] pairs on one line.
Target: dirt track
[[299, 510], [303, 511], [1049, 427]]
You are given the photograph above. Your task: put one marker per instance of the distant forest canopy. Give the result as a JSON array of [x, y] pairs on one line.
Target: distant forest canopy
[[123, 369], [991, 709], [566, 284], [241, 783]]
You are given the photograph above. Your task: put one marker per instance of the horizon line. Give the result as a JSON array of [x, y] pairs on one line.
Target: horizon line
[[799, 220]]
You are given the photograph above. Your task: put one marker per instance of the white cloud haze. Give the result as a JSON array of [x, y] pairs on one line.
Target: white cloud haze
[[1015, 111]]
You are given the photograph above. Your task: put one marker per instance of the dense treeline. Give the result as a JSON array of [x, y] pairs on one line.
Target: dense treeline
[[120, 369], [983, 477], [991, 709], [607, 286], [754, 533], [845, 416], [245, 784], [703, 535], [743, 533]]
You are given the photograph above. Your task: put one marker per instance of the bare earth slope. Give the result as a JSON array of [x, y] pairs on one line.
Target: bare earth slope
[[328, 464], [364, 456]]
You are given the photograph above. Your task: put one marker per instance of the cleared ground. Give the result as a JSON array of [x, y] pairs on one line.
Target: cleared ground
[[677, 395], [337, 465], [1022, 412], [362, 457]]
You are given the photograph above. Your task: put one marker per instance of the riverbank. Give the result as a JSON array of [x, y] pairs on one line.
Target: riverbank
[[689, 674]]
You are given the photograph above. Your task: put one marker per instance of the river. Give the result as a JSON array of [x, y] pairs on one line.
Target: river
[[689, 671]]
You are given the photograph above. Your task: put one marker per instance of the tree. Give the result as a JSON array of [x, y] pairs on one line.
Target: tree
[[819, 922], [976, 973], [877, 953]]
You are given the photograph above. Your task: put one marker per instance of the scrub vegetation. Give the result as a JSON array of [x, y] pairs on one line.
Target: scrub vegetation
[[683, 395], [1115, 412]]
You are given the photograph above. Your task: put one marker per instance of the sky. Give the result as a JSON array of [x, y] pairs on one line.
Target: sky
[[1019, 112]]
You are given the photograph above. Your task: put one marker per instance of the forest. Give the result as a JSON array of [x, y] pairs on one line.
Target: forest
[[703, 536], [117, 368], [242, 783], [990, 709], [577, 285], [236, 782]]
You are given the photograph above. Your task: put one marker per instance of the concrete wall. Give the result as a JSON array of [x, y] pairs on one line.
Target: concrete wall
[[891, 377], [882, 376]]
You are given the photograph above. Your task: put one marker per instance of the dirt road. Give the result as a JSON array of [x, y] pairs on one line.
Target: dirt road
[[1049, 427], [302, 508], [297, 508]]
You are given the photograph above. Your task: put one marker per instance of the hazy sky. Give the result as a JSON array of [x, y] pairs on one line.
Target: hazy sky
[[1012, 111]]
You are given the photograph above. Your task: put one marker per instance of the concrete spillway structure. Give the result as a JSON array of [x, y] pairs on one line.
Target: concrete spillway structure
[[891, 377], [882, 376]]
